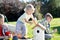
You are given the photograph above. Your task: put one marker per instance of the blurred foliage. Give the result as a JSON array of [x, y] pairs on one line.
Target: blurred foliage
[[14, 10], [11, 10], [51, 6], [37, 14], [55, 8]]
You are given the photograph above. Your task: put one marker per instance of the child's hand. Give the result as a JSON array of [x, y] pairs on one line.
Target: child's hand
[[10, 35], [19, 35], [7, 33], [55, 30]]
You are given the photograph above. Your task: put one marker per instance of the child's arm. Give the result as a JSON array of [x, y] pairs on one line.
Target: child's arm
[[33, 20], [36, 23], [4, 29], [27, 21], [6, 32], [41, 26]]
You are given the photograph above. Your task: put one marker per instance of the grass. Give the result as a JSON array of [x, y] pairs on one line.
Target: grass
[[55, 24]]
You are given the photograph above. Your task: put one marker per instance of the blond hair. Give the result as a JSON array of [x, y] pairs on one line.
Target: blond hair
[[1, 16], [29, 6]]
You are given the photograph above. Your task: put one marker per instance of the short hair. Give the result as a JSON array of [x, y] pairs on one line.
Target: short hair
[[29, 6], [1, 16], [49, 15]]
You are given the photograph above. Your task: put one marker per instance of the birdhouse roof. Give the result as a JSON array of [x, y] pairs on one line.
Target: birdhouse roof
[[35, 26], [40, 25]]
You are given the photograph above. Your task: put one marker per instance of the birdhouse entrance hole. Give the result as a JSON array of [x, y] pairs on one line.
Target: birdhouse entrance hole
[[37, 31]]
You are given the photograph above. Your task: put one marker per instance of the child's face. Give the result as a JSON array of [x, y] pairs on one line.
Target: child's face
[[30, 11], [49, 19], [1, 20]]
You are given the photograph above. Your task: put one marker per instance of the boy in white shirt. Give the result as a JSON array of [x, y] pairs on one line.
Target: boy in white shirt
[[23, 19]]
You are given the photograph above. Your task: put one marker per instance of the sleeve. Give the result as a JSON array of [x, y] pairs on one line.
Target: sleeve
[[47, 27], [5, 29], [42, 22]]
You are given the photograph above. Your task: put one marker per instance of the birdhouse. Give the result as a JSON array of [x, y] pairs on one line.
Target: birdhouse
[[38, 32]]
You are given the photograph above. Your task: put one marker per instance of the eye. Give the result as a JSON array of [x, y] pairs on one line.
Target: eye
[[37, 31]]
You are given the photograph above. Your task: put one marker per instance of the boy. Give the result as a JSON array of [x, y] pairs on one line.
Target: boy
[[23, 19], [46, 23], [3, 27]]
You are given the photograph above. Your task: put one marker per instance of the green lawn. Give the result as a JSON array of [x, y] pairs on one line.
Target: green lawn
[[55, 24]]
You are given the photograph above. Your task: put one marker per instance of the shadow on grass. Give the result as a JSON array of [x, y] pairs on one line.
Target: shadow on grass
[[58, 29]]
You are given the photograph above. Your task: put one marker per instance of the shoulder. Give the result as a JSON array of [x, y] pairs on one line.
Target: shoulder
[[5, 25], [42, 21], [23, 16]]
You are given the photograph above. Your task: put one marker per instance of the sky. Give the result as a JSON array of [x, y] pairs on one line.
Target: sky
[[25, 0]]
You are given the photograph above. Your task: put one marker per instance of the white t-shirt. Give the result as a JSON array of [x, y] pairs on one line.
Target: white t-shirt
[[25, 16]]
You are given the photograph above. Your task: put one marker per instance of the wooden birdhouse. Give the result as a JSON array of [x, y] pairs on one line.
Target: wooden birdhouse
[[38, 32]]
